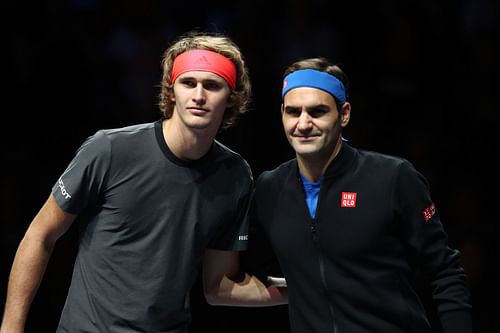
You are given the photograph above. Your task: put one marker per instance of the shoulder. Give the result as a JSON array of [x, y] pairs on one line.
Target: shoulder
[[128, 137], [280, 173], [376, 159], [128, 131], [106, 142], [230, 157], [387, 166]]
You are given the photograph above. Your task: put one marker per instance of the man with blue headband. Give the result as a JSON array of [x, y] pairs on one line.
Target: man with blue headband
[[351, 228]]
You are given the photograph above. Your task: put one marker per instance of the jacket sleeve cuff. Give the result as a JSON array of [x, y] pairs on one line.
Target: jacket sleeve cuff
[[456, 321]]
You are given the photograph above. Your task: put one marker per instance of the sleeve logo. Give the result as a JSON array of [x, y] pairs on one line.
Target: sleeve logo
[[65, 193], [429, 212]]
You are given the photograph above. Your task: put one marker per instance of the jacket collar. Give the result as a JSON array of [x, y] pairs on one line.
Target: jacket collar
[[338, 166]]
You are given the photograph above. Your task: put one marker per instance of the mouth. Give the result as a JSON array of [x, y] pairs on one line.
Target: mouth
[[197, 111], [305, 138]]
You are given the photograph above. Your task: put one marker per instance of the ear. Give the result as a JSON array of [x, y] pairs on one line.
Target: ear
[[345, 114]]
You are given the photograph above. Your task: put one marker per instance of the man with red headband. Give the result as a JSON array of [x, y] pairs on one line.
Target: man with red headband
[[156, 201], [352, 229]]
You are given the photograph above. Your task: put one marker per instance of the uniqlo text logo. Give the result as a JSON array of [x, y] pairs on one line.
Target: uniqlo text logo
[[429, 212], [348, 199]]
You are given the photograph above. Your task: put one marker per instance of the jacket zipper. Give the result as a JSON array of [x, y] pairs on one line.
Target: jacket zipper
[[322, 269], [320, 252]]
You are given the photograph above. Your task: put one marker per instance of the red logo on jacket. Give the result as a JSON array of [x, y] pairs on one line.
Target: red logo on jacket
[[348, 199], [429, 212]]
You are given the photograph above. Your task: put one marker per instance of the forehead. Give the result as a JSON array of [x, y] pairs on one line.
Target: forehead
[[307, 96], [201, 76]]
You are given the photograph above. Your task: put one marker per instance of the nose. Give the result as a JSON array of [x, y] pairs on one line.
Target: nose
[[304, 122], [199, 96]]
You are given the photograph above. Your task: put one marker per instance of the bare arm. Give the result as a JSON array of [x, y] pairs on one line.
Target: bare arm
[[224, 284], [31, 261]]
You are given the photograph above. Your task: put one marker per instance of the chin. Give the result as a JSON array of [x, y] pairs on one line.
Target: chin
[[306, 152], [198, 122], [201, 125]]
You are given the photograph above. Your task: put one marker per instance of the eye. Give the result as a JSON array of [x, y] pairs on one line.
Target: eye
[[318, 111], [188, 82], [292, 111], [212, 85]]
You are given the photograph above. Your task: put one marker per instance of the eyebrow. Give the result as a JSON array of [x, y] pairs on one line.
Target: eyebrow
[[191, 77], [311, 107]]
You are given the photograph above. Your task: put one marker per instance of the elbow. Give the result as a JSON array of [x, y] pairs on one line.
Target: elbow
[[213, 298], [218, 292], [209, 297]]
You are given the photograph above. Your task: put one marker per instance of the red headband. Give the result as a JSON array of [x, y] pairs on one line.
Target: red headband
[[206, 61]]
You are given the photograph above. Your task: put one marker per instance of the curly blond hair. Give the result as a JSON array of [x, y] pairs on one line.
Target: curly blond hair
[[239, 99]]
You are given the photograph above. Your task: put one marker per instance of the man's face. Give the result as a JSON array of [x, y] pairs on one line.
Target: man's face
[[200, 99], [312, 122]]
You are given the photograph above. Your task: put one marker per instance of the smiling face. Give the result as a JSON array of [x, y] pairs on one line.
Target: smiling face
[[313, 124], [200, 100]]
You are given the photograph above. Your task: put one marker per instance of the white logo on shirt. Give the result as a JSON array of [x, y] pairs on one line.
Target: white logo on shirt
[[243, 237], [63, 189]]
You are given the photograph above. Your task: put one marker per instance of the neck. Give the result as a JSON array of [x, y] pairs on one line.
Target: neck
[[313, 167], [186, 144]]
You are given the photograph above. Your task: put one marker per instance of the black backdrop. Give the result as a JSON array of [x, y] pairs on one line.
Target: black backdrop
[[422, 87]]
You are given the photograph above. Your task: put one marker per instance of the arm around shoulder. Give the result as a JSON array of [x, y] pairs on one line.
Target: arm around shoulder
[[224, 284]]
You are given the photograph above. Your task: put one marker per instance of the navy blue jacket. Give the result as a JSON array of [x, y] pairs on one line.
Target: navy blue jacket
[[352, 268]]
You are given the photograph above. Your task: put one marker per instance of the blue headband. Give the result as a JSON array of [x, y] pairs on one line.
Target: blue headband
[[314, 79]]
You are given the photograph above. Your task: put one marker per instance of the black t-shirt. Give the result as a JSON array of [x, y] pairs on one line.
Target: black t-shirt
[[151, 216]]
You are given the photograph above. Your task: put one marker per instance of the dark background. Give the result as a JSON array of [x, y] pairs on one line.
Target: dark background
[[423, 86]]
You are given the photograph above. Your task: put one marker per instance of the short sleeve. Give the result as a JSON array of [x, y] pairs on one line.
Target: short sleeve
[[81, 183], [234, 237]]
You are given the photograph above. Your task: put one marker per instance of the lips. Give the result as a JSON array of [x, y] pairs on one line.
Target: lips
[[305, 138], [197, 111]]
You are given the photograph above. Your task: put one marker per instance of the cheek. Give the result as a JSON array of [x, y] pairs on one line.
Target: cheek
[[221, 101], [288, 127], [220, 108], [331, 124]]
